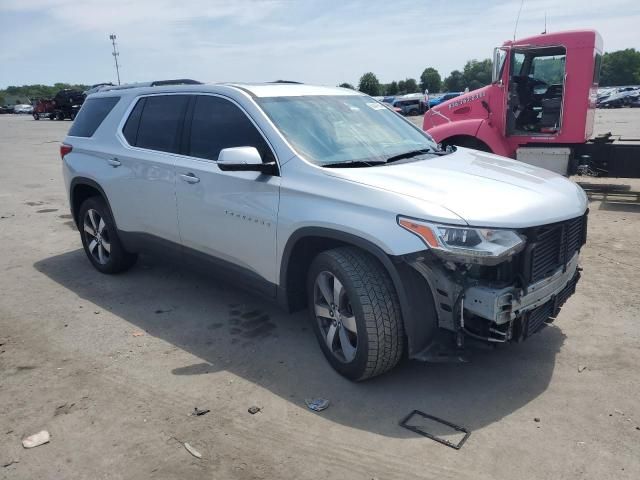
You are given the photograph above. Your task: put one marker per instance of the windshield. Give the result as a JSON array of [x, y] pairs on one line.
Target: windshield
[[343, 128]]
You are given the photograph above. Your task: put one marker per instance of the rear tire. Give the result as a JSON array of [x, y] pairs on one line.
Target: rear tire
[[355, 313], [100, 238]]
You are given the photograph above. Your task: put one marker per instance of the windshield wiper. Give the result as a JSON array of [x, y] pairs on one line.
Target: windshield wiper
[[354, 163], [394, 158], [415, 153]]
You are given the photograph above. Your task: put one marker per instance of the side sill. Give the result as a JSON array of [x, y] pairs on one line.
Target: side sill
[[193, 259]]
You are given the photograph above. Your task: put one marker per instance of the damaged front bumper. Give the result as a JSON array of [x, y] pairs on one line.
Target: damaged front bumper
[[502, 305], [473, 308]]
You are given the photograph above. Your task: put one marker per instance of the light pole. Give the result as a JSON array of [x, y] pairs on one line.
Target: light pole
[[115, 54]]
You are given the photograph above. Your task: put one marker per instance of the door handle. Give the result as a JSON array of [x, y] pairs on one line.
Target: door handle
[[189, 178], [114, 162]]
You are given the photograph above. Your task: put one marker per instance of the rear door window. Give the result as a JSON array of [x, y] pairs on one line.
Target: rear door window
[[156, 122], [217, 124], [91, 115]]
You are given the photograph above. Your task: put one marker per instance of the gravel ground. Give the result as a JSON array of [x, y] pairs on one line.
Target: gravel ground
[[112, 366]]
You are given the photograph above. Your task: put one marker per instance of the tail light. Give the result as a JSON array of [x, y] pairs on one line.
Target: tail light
[[64, 149]]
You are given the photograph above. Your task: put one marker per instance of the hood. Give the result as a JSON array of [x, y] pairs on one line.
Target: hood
[[483, 189]]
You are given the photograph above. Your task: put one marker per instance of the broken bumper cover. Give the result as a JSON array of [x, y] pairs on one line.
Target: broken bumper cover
[[506, 304]]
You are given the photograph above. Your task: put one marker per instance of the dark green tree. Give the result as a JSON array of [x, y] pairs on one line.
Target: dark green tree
[[455, 82], [347, 85], [411, 86], [402, 89], [37, 91], [620, 68], [431, 80], [369, 84], [391, 88], [477, 73]]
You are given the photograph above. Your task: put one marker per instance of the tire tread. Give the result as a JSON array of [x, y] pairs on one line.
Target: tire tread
[[379, 300]]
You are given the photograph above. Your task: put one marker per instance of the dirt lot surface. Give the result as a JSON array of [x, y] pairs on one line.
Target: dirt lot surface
[[112, 366]]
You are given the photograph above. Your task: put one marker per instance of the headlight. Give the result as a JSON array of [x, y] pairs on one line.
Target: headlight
[[487, 246]]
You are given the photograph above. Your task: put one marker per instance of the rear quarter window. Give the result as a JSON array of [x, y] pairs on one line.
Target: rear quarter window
[[91, 115], [156, 121]]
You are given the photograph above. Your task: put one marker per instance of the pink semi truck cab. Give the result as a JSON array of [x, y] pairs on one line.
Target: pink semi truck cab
[[540, 103]]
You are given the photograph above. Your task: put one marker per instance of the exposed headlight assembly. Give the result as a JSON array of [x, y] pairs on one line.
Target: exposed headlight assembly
[[485, 246]]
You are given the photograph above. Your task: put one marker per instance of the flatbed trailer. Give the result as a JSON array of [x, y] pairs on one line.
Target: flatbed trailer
[[603, 156]]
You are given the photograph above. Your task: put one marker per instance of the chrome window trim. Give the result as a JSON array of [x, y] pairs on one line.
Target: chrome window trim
[[127, 113]]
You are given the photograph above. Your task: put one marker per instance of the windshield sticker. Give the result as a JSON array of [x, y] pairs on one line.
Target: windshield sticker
[[376, 106], [468, 99]]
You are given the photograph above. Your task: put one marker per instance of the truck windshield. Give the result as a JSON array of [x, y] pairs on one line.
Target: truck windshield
[[354, 129]]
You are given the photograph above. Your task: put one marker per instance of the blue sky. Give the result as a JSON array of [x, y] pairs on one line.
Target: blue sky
[[324, 42]]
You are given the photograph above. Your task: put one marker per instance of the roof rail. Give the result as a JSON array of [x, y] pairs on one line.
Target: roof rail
[[155, 83], [179, 81], [287, 81]]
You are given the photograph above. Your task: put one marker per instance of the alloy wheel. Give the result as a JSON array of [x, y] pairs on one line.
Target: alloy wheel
[[97, 236], [335, 317]]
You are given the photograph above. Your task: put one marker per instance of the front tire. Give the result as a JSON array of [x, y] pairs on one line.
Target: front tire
[[355, 313], [100, 238]]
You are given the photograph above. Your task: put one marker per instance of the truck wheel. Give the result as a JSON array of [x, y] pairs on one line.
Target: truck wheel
[[72, 116], [59, 116], [36, 116], [100, 238], [355, 313]]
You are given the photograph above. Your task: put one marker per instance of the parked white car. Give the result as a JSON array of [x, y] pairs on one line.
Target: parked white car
[[23, 108], [324, 198]]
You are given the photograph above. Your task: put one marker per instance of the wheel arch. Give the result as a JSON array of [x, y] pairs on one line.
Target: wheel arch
[[82, 188], [467, 141], [304, 244]]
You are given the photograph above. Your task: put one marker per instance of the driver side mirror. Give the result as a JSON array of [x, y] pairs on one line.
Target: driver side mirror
[[244, 159], [499, 57]]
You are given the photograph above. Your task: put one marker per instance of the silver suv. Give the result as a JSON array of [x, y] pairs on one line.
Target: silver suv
[[324, 198]]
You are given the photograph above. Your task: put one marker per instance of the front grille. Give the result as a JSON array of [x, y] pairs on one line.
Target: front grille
[[552, 246], [546, 313]]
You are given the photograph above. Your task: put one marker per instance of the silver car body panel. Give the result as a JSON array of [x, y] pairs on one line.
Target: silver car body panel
[[247, 219]]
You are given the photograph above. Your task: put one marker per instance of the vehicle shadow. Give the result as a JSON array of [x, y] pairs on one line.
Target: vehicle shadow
[[613, 197], [230, 329]]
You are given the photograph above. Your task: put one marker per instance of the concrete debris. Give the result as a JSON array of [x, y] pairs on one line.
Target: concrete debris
[[581, 368], [253, 410], [192, 450], [198, 413], [36, 439]]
